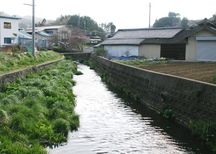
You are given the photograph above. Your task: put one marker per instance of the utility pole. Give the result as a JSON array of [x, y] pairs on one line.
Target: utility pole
[[33, 26], [149, 14]]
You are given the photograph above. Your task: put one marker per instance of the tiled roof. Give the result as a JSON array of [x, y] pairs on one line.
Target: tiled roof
[[147, 33], [180, 37], [136, 36], [122, 41]]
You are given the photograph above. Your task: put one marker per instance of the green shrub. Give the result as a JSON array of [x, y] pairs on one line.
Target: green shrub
[[3, 116], [204, 129], [10, 99], [166, 113], [61, 126], [78, 73], [100, 52], [74, 122], [18, 121]]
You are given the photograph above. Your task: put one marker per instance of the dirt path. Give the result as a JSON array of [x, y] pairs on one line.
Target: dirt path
[[197, 71]]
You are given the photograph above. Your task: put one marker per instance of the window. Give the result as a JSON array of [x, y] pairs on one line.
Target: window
[[7, 25], [7, 40]]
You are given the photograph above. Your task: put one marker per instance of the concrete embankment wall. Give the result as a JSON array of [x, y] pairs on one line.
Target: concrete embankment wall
[[78, 56], [14, 75], [189, 100]]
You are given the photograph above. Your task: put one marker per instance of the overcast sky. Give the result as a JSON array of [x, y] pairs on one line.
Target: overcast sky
[[123, 13]]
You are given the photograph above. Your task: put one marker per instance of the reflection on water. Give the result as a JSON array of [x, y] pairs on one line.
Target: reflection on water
[[111, 124]]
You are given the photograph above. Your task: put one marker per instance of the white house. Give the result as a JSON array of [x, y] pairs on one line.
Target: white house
[[8, 30]]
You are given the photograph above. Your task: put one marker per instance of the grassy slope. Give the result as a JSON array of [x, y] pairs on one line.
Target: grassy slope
[[14, 61], [37, 111]]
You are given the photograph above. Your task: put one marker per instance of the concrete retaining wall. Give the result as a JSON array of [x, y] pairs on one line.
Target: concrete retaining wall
[[78, 56], [189, 100]]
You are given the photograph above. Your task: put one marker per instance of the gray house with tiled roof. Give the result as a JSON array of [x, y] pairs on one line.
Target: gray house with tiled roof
[[196, 43]]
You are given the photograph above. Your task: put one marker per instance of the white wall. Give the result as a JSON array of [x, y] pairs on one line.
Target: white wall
[[121, 50], [8, 32]]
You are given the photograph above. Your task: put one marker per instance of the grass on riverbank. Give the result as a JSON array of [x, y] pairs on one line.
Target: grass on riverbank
[[142, 61], [17, 60], [37, 111]]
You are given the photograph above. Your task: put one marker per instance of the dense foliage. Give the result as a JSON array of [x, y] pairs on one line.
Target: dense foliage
[[172, 20], [15, 60], [38, 111], [86, 23], [206, 131], [100, 52]]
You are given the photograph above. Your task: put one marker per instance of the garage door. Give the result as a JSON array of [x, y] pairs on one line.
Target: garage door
[[206, 49]]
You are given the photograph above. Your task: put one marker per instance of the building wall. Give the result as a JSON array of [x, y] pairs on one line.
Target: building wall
[[8, 32], [150, 51], [189, 100], [121, 50], [192, 44], [40, 38]]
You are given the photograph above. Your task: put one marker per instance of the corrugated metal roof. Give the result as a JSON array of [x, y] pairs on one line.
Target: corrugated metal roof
[[42, 28], [147, 33], [10, 17], [23, 34], [122, 41], [42, 33]]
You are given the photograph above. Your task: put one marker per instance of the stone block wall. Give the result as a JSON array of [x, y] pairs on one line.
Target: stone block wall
[[189, 100]]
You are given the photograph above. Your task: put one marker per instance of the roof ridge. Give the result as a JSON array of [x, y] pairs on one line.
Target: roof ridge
[[156, 28]]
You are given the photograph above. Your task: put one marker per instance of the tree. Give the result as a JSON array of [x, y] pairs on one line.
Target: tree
[[42, 23], [76, 42], [74, 21], [77, 39], [85, 23], [172, 20], [184, 23], [173, 14], [62, 20], [109, 28]]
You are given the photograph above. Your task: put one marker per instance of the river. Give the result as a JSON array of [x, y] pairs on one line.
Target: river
[[111, 123]]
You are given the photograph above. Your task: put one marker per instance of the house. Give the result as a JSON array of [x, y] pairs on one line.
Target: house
[[95, 39], [196, 43], [24, 40], [50, 34], [8, 30]]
